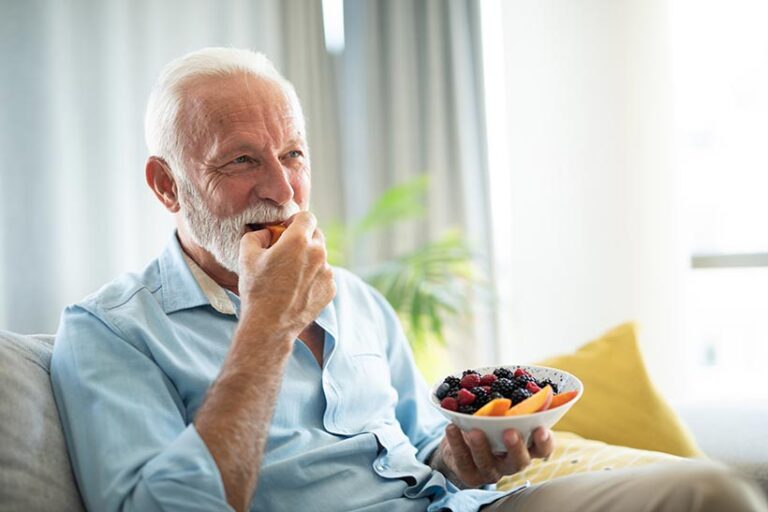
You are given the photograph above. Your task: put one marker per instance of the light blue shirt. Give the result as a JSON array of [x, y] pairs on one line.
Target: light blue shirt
[[132, 364]]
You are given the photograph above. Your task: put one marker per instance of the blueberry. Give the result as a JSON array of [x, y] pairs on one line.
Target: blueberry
[[442, 390]]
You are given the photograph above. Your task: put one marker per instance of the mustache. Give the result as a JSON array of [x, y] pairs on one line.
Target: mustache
[[263, 213]]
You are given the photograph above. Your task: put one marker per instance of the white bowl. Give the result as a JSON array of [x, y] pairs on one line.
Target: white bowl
[[525, 424]]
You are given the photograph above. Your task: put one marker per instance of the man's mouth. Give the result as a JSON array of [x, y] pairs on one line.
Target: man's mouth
[[259, 226]]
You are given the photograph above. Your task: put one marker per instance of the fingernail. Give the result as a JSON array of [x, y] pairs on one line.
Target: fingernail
[[544, 436], [514, 438]]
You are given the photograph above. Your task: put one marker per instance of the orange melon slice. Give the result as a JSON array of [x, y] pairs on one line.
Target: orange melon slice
[[496, 407], [539, 401], [561, 398], [275, 231]]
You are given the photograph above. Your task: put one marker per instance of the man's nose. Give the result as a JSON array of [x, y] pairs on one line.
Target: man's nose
[[276, 185]]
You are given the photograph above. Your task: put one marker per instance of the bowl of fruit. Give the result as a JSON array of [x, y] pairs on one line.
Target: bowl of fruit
[[496, 398]]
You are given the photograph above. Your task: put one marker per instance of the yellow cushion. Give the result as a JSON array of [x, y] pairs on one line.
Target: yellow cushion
[[574, 454], [620, 405]]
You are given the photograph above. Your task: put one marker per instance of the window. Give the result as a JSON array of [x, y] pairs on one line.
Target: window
[[719, 62]]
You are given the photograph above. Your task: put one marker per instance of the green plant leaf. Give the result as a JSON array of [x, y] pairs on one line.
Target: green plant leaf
[[427, 286], [399, 203]]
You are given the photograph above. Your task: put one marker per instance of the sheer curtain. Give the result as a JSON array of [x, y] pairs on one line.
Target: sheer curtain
[[411, 102], [403, 98]]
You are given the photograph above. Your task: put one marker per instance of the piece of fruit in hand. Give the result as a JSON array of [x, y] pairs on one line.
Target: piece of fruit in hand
[[275, 230]]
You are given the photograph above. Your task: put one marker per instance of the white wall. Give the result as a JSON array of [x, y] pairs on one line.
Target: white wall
[[587, 230]]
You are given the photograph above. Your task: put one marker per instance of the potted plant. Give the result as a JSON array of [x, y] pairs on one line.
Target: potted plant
[[428, 286]]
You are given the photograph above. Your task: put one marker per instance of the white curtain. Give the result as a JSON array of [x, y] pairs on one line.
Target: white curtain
[[411, 96], [403, 98]]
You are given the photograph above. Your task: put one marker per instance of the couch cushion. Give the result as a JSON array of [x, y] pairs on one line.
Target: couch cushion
[[35, 473], [574, 454], [620, 404]]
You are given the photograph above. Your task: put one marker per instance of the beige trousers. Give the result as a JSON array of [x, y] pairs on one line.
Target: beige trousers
[[689, 485]]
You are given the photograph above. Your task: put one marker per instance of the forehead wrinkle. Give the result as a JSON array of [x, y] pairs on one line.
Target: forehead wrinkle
[[212, 113]]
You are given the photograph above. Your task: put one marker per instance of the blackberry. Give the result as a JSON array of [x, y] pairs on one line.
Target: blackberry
[[550, 383], [495, 395], [519, 394], [453, 382], [503, 373], [467, 409], [522, 380], [467, 372], [442, 390], [481, 397], [503, 386]]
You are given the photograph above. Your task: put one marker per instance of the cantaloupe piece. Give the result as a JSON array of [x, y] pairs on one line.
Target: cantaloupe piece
[[561, 398], [496, 407], [275, 230], [539, 401]]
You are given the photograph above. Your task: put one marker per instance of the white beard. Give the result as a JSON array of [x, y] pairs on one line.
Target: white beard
[[221, 236]]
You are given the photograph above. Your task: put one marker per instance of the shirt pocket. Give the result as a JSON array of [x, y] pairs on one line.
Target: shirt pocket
[[369, 397]]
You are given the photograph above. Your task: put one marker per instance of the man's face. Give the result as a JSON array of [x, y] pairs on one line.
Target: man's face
[[245, 162]]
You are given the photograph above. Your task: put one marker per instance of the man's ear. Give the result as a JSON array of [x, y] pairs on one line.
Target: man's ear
[[160, 180]]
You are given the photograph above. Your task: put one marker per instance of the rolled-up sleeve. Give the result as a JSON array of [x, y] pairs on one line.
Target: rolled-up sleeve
[[131, 445]]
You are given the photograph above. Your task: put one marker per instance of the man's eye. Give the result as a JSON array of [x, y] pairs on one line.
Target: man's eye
[[295, 154], [243, 159]]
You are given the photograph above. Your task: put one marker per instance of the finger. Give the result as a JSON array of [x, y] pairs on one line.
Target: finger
[[517, 456], [542, 443], [463, 462], [319, 236], [261, 238], [305, 222], [485, 461]]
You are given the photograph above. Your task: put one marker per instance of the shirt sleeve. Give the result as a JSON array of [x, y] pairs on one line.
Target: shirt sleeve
[[124, 422], [420, 421]]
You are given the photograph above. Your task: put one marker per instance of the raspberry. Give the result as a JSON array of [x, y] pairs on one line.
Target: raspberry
[[520, 372], [470, 380], [465, 397], [488, 379], [532, 387], [442, 390], [503, 386], [503, 373], [519, 394], [450, 403]]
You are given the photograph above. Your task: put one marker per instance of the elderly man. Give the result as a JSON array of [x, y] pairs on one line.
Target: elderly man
[[234, 373]]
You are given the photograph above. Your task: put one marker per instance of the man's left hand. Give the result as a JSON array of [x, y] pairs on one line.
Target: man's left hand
[[467, 456]]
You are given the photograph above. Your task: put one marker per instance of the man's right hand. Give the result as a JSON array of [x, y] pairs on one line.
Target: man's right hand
[[285, 287]]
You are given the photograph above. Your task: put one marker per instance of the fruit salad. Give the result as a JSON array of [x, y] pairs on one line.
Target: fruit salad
[[504, 392]]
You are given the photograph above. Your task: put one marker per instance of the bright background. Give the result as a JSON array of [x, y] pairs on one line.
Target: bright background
[[606, 157]]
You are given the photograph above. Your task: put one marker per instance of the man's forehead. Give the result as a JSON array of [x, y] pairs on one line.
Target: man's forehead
[[208, 101]]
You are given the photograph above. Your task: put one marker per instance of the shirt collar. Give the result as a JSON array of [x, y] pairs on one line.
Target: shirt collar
[[215, 293], [185, 285]]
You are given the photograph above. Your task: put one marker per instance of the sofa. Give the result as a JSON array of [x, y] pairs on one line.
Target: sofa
[[36, 475]]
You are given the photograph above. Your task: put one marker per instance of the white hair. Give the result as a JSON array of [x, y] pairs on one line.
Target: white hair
[[161, 127]]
